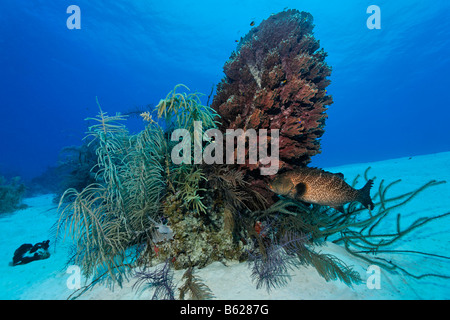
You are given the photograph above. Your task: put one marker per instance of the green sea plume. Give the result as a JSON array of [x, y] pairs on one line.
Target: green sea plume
[[113, 221]]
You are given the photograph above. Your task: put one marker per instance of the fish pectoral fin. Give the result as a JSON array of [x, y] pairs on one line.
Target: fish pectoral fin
[[339, 208], [300, 189]]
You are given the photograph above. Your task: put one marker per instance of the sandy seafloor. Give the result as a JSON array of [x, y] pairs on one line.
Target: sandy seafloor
[[46, 279]]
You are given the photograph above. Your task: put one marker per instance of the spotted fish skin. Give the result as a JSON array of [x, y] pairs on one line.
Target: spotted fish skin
[[313, 185]]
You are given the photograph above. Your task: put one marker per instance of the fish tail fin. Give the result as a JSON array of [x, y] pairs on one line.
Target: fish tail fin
[[364, 195]]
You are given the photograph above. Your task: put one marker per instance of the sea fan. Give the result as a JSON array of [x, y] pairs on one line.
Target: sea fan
[[161, 278], [194, 286], [271, 263], [328, 266]]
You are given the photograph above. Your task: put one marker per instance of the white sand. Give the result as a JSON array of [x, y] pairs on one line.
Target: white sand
[[46, 279]]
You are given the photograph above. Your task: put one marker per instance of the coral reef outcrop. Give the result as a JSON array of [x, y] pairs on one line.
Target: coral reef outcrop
[[277, 79], [11, 195], [144, 208]]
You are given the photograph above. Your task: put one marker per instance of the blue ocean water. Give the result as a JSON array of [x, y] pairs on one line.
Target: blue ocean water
[[390, 86]]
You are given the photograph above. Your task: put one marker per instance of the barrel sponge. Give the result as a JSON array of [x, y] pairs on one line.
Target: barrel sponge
[[276, 79]]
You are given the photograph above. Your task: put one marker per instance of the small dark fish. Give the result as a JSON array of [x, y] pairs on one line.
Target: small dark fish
[[236, 41], [252, 23], [312, 185], [282, 83]]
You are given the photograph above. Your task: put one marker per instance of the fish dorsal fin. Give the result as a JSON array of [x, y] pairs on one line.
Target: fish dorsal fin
[[339, 174]]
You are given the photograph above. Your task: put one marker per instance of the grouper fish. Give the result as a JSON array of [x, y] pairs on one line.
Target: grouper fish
[[316, 186]]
